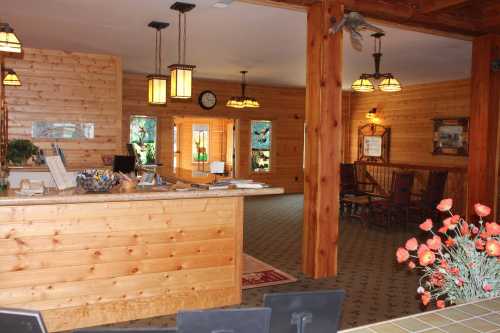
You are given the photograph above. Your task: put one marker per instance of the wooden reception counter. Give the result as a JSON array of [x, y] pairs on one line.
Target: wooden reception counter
[[92, 259]]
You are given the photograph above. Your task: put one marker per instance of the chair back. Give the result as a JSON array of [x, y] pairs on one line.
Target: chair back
[[127, 330], [305, 312], [348, 180], [402, 182], [21, 321], [249, 320], [435, 188]]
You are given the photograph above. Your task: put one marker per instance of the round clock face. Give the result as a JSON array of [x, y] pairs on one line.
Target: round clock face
[[207, 100]]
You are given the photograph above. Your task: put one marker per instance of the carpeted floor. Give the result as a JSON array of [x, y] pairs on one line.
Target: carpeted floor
[[377, 288]]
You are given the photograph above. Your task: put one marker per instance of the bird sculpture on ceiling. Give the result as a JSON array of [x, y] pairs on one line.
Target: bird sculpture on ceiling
[[354, 23]]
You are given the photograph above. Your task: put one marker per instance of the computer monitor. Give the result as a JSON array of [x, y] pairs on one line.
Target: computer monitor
[[21, 321], [305, 312], [125, 164], [249, 320], [127, 330]]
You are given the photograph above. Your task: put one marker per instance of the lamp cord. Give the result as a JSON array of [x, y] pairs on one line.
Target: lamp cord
[[179, 40], [185, 33]]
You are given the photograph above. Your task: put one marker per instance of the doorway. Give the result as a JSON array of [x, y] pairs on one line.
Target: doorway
[[204, 148]]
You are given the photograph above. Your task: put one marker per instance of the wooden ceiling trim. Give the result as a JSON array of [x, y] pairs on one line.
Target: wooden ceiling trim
[[429, 6]]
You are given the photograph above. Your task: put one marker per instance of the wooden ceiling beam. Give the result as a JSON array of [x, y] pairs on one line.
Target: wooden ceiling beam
[[429, 6], [402, 13]]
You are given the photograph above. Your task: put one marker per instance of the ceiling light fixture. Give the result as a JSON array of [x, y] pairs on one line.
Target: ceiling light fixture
[[222, 3], [243, 101], [9, 42], [10, 78], [388, 83], [157, 82], [181, 75]]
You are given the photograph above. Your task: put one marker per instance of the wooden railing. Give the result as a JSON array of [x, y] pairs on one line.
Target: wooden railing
[[381, 175]]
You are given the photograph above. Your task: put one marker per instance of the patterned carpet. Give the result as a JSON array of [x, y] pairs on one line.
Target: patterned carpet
[[377, 288]]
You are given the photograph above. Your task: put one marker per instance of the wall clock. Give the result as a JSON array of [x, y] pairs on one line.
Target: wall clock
[[207, 100]]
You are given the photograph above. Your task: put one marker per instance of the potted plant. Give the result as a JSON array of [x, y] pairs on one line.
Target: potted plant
[[460, 262], [20, 150]]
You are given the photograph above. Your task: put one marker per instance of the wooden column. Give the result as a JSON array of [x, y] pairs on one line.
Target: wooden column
[[485, 106], [323, 140]]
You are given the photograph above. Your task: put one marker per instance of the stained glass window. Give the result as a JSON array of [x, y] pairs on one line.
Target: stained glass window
[[200, 143], [261, 137], [143, 138]]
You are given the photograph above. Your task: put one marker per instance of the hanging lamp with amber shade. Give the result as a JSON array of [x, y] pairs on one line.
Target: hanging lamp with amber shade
[[157, 82], [243, 101], [9, 43], [181, 74], [10, 78]]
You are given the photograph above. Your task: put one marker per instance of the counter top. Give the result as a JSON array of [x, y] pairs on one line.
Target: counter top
[[477, 317], [71, 196]]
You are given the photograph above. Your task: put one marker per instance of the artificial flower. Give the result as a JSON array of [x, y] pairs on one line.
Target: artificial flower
[[426, 257], [482, 210], [437, 279], [445, 205], [464, 229], [411, 244], [475, 230], [487, 287], [402, 255], [426, 225], [450, 242], [492, 228], [455, 271], [493, 248], [459, 282], [426, 298], [479, 244], [443, 230], [422, 248], [434, 243], [420, 290], [440, 304], [411, 265]]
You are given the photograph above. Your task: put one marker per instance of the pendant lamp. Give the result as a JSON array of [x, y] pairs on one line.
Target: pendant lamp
[[157, 82], [243, 101], [10, 78], [181, 74], [388, 83], [9, 42]]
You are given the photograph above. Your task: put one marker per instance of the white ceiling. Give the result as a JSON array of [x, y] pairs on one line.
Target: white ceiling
[[269, 42]]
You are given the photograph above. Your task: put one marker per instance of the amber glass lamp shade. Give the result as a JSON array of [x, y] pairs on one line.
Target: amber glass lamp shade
[[236, 102], [363, 85], [157, 89], [181, 78], [11, 78], [8, 40], [390, 85]]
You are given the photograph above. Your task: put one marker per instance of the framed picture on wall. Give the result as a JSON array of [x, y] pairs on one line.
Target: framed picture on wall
[[373, 143], [451, 136]]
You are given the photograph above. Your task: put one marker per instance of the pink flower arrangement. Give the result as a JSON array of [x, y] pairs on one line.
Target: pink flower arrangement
[[459, 263]]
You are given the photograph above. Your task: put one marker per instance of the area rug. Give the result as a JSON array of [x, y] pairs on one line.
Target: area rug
[[258, 274]]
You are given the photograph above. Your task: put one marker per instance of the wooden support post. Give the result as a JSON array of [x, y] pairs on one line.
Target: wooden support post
[[323, 140], [485, 108]]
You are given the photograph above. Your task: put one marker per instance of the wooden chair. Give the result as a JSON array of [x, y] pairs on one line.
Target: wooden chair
[[385, 210], [350, 186], [425, 205]]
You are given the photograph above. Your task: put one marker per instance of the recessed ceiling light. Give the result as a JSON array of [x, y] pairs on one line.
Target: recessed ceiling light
[[222, 3]]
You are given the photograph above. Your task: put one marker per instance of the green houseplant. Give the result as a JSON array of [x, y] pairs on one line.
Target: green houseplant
[[20, 150]]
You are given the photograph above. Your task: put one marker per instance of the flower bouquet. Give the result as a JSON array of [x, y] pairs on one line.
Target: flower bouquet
[[460, 262]]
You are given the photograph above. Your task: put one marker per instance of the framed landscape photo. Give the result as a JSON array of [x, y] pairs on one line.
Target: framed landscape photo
[[451, 136]]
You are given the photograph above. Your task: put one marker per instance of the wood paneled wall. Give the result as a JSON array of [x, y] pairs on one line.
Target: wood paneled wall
[[74, 87], [410, 114], [283, 106]]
